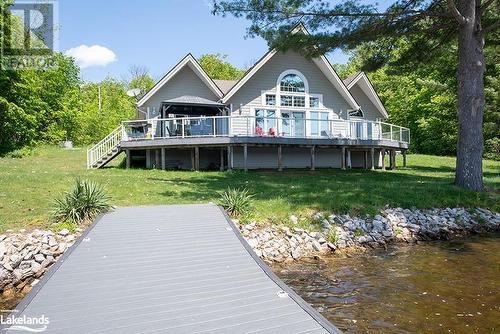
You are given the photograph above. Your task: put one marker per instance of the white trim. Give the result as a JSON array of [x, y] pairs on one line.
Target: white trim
[[197, 69], [248, 75], [369, 91], [297, 73]]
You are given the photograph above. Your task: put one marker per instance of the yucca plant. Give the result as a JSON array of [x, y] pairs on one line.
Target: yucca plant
[[237, 202], [84, 202]]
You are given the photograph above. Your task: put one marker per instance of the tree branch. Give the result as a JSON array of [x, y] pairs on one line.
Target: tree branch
[[455, 12], [491, 27], [485, 5]]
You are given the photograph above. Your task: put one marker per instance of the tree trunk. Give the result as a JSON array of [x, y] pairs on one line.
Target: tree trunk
[[469, 172]]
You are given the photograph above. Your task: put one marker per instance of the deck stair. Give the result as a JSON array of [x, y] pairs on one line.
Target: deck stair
[[106, 150]]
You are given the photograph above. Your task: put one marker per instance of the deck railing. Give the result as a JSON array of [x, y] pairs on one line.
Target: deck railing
[[251, 126], [105, 146]]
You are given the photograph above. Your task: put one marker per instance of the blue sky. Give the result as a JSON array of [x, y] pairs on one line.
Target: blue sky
[[154, 33]]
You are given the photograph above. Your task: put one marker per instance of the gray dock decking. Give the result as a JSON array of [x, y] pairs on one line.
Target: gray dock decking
[[167, 269]]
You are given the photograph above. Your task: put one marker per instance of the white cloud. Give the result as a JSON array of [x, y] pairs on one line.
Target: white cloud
[[91, 56]]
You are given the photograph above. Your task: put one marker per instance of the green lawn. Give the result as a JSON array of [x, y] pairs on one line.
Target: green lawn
[[29, 185]]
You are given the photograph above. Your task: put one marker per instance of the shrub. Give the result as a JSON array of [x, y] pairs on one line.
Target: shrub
[[83, 203], [237, 202]]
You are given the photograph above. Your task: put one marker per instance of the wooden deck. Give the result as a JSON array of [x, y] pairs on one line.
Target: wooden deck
[[167, 269]]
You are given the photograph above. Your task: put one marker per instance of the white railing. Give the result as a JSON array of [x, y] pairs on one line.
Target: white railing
[[105, 146], [251, 126]]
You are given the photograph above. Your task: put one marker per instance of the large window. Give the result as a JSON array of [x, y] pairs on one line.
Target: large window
[[265, 122], [319, 123], [292, 83]]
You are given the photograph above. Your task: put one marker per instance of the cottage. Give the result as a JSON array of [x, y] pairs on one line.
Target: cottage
[[287, 111]]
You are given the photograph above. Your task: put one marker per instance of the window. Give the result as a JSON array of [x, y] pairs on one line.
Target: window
[[270, 100], [356, 113], [293, 101], [299, 101], [265, 122], [292, 83], [319, 123], [314, 102], [286, 100]]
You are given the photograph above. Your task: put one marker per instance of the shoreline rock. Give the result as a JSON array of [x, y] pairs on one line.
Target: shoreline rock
[[25, 257], [344, 234]]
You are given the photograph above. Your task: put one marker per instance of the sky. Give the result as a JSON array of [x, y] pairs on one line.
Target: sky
[[106, 37]]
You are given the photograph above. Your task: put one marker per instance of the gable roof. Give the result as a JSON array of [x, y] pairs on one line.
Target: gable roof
[[350, 78], [362, 80], [190, 61], [225, 85], [323, 64]]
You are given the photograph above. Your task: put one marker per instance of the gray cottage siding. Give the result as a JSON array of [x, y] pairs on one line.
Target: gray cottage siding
[[371, 112], [185, 82], [249, 95]]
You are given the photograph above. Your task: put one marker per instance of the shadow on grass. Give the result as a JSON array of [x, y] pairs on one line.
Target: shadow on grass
[[353, 191]]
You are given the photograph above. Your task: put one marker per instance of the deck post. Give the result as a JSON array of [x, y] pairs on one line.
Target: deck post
[[163, 159], [192, 159], [349, 160], [365, 159], [343, 157], [221, 168], [280, 159], [382, 152], [372, 154], [197, 158], [129, 158], [148, 158], [393, 159], [313, 158], [245, 157], [229, 158], [157, 159], [404, 159]]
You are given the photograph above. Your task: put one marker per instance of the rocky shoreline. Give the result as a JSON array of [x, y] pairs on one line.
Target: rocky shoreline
[[25, 257], [343, 233]]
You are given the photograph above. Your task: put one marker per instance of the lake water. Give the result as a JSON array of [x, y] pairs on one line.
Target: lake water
[[437, 287]]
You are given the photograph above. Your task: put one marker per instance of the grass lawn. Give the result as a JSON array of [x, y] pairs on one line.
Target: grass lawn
[[29, 185]]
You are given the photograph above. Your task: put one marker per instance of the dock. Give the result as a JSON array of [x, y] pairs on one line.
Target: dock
[[166, 269]]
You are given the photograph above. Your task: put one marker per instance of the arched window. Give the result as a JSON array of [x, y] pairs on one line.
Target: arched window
[[292, 83]]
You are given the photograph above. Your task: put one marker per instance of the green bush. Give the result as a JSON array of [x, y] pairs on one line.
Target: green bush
[[82, 204], [237, 202]]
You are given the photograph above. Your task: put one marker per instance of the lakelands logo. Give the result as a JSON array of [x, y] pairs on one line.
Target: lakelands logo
[[25, 323], [28, 36]]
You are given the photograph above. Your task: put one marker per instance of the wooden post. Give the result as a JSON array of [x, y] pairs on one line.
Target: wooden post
[[393, 159], [197, 158], [382, 152], [129, 158], [404, 159], [372, 153], [157, 159], [245, 157], [148, 158], [349, 160], [343, 158], [163, 159], [365, 159], [313, 158], [221, 168], [229, 158], [192, 159], [280, 159]]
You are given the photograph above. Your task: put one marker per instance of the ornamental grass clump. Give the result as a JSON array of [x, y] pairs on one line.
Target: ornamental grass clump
[[82, 204], [237, 202]]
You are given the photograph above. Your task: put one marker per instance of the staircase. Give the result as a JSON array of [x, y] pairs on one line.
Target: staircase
[[106, 150]]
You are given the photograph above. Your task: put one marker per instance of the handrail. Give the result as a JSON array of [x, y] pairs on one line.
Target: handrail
[[100, 150], [353, 128]]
